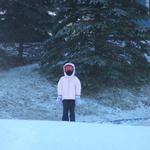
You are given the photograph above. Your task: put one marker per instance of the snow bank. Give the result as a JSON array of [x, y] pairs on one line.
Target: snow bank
[[46, 135]]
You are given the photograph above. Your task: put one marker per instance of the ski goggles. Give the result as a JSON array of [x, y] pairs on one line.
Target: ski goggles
[[68, 68]]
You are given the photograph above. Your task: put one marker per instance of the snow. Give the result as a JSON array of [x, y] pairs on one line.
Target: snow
[[2, 19], [147, 57], [49, 33], [3, 12], [26, 94], [51, 13], [48, 135], [23, 96], [31, 50]]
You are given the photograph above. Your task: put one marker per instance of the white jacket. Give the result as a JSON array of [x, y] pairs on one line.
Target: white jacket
[[69, 86]]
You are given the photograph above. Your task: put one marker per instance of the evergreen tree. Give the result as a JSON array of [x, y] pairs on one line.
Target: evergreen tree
[[24, 21], [104, 38]]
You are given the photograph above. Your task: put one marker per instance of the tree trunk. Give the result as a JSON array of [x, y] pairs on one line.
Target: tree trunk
[[20, 52]]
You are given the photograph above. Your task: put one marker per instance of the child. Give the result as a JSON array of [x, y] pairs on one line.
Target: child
[[69, 91]]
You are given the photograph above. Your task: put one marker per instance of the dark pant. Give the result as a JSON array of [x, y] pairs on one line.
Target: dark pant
[[68, 108]]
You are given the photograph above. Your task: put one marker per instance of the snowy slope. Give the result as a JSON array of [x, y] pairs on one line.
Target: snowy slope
[[25, 94], [47, 135]]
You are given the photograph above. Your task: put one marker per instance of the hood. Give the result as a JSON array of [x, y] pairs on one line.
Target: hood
[[73, 69]]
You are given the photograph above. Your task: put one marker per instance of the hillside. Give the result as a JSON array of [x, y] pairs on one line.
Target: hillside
[[26, 94]]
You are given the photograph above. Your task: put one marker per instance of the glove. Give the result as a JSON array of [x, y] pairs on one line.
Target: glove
[[78, 100], [59, 100]]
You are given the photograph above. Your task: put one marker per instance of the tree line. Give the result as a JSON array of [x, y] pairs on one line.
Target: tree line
[[105, 39]]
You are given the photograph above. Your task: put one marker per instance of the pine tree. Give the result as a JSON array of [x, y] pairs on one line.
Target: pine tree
[[104, 38], [24, 21]]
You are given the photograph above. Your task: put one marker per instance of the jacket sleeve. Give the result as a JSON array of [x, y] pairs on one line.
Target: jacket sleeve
[[59, 87], [78, 87]]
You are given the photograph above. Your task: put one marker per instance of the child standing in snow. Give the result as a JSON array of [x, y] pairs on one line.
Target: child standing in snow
[[69, 91]]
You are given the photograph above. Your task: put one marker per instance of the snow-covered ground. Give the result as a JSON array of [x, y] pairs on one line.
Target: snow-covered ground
[[51, 135], [25, 94], [31, 50]]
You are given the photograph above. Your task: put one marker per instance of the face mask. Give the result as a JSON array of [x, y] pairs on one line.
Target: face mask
[[69, 72]]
